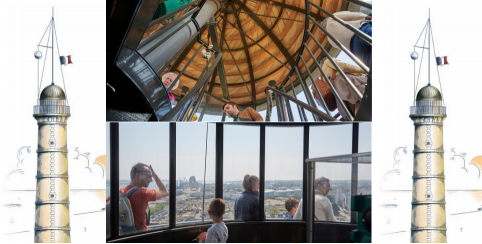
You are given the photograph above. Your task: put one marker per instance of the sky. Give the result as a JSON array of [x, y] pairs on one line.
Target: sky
[[149, 143]]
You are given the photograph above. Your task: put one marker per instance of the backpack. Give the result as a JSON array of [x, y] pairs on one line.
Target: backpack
[[126, 216]]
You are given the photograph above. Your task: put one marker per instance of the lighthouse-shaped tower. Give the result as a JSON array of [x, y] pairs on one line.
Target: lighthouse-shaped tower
[[52, 222], [428, 191]]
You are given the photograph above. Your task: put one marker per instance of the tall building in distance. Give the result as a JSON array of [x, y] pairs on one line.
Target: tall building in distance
[[428, 192], [52, 220]]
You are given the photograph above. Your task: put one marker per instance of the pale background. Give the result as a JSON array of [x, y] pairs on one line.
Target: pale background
[[81, 33], [455, 28]]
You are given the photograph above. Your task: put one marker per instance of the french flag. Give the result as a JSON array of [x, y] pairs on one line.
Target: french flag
[[64, 60], [441, 61]]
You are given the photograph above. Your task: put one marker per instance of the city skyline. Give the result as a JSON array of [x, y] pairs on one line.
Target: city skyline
[[191, 145]]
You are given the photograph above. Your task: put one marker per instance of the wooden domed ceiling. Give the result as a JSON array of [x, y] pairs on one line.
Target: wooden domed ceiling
[[281, 36]]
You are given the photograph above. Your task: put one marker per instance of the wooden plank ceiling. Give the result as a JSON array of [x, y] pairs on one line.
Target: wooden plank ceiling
[[257, 67]]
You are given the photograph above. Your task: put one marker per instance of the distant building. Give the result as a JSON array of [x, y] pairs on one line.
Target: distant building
[[298, 192], [268, 194], [280, 193], [290, 192]]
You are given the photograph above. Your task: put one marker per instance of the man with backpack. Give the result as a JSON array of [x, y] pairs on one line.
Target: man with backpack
[[135, 197]]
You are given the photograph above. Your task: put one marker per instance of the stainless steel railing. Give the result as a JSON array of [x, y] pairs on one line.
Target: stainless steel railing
[[284, 109]]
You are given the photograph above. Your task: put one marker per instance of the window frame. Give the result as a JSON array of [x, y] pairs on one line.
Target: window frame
[[219, 155]]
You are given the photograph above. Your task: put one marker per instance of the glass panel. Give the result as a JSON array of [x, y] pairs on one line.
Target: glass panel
[[191, 158], [210, 111], [283, 172], [332, 197], [241, 157], [364, 179], [365, 137], [365, 170], [146, 143]]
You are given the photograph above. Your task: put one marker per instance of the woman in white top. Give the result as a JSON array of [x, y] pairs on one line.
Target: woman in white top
[[323, 208]]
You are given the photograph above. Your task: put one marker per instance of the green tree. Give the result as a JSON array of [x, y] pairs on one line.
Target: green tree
[[273, 211], [158, 208], [336, 209]]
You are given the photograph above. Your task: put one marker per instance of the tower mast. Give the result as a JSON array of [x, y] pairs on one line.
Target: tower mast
[[429, 27], [52, 27]]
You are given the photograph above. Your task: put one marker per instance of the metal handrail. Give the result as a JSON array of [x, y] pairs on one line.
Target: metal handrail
[[181, 106], [362, 35], [308, 34], [311, 109]]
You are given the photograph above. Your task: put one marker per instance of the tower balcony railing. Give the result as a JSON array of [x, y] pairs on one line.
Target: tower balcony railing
[[51, 109], [423, 110]]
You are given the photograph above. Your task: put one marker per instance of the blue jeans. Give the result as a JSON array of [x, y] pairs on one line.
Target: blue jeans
[[361, 48]]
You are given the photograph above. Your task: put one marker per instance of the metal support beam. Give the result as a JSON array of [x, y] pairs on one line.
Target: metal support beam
[[301, 111], [311, 109], [220, 66], [218, 184], [240, 74], [306, 193], [354, 167], [332, 87], [250, 66], [361, 34], [172, 175], [291, 7], [264, 49], [114, 180], [313, 81], [271, 35], [306, 90], [262, 168], [288, 107], [232, 11], [345, 49], [184, 69], [185, 52], [265, 34], [340, 71]]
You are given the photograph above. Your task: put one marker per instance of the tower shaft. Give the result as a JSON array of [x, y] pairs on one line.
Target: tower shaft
[[52, 221], [428, 192]]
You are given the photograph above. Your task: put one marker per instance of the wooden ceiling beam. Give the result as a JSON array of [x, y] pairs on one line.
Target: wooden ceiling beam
[[250, 66], [271, 35]]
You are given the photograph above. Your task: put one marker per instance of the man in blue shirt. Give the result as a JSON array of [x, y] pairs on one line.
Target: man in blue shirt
[[291, 206]]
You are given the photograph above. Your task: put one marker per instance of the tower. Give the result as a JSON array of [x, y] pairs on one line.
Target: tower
[[428, 192], [52, 222]]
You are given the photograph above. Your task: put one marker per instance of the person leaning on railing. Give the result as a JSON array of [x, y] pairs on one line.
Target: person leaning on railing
[[359, 47], [167, 80], [248, 114], [356, 76]]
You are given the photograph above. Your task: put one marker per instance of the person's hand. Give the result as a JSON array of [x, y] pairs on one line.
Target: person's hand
[[152, 170]]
